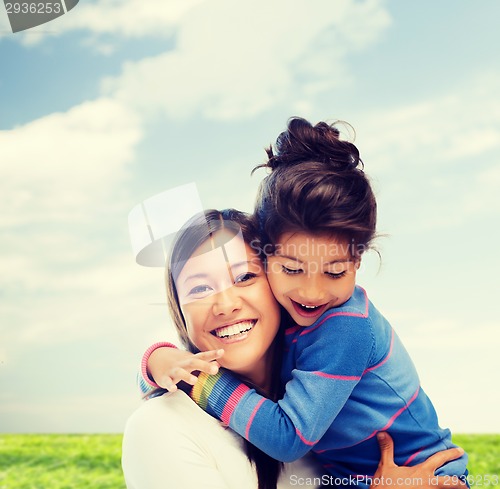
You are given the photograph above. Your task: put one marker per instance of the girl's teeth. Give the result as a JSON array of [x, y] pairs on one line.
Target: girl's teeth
[[309, 307], [234, 329]]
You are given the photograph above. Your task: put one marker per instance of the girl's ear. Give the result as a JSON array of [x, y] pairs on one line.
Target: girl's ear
[[357, 263]]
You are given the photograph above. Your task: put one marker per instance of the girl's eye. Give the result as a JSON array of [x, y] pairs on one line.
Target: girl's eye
[[290, 271], [244, 277], [200, 290], [336, 275]]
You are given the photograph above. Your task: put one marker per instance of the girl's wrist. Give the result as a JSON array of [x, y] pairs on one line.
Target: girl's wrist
[[218, 394], [145, 359]]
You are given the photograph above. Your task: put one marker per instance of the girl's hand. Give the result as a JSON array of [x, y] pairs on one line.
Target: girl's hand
[[169, 366], [421, 476]]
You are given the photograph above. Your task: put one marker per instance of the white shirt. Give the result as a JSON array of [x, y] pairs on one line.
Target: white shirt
[[170, 443]]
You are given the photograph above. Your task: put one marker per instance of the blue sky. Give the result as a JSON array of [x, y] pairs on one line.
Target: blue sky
[[120, 100]]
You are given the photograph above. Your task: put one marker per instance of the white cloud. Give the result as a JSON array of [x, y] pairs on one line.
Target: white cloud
[[457, 365], [446, 146], [233, 63], [125, 18], [130, 18], [230, 61], [61, 176], [463, 123], [62, 165]]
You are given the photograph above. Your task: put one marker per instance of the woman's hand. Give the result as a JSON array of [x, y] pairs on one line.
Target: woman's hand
[[169, 366], [421, 476]]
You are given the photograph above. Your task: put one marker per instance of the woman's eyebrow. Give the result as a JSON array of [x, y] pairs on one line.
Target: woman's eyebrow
[[243, 263], [195, 276], [207, 275]]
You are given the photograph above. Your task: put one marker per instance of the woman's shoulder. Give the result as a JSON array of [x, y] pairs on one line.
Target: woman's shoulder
[[171, 411], [176, 419], [170, 442]]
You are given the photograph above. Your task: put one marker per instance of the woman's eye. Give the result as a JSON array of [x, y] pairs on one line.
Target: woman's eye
[[244, 277], [290, 271], [200, 290], [336, 275]]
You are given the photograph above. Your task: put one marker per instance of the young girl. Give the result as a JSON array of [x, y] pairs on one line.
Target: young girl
[[346, 372]]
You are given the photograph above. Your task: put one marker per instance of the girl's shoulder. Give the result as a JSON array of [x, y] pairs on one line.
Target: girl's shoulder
[[358, 305], [357, 317], [352, 317]]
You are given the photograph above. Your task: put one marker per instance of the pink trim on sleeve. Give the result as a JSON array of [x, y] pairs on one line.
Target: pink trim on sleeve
[[145, 359], [232, 402]]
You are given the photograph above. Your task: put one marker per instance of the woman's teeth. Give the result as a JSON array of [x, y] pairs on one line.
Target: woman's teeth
[[234, 329]]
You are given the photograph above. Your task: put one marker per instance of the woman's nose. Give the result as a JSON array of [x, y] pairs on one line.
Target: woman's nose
[[227, 301]]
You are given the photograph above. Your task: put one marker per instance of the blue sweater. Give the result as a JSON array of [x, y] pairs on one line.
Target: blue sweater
[[347, 377]]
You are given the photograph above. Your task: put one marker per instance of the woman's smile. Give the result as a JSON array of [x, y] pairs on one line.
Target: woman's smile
[[236, 331], [227, 303]]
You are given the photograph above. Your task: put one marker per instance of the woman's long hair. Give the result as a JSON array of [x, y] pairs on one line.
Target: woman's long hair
[[193, 234]]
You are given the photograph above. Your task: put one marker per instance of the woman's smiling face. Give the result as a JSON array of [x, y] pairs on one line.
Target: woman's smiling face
[[227, 303]]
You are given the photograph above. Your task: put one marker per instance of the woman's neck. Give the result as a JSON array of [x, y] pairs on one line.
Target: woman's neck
[[260, 376]]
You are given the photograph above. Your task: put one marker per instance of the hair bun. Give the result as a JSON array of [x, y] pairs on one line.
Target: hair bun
[[303, 142]]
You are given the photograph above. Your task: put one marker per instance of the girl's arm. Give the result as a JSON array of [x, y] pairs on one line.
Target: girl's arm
[[163, 366], [331, 362]]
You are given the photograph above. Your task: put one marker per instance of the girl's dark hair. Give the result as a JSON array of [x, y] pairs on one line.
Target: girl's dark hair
[[317, 185], [194, 233]]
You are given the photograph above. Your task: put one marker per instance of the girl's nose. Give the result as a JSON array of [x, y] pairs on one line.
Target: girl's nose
[[311, 291], [227, 301]]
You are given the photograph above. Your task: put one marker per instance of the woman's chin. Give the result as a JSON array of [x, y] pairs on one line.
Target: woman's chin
[[238, 362]]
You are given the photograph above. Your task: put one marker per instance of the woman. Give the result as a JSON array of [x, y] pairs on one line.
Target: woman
[[217, 287]]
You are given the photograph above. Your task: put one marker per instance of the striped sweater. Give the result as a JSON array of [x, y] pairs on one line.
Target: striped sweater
[[347, 377]]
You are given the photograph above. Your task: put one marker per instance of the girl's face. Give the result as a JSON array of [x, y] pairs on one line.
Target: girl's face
[[227, 303], [309, 274]]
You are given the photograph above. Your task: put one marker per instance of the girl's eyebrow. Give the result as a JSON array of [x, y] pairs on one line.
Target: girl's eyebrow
[[289, 258], [341, 260], [294, 258]]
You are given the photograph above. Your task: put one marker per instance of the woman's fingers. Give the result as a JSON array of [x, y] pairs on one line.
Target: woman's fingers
[[386, 445], [440, 458]]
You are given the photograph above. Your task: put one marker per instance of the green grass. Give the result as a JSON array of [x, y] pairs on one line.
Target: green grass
[[484, 456], [93, 461], [60, 462]]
